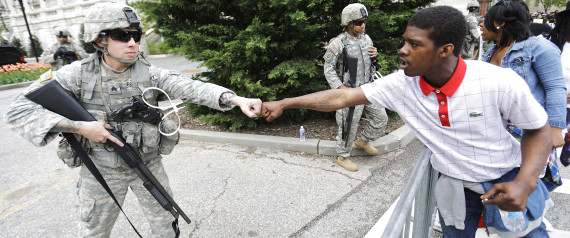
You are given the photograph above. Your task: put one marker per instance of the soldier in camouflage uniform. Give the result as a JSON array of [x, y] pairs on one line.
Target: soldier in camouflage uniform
[[63, 52], [472, 39], [104, 83], [358, 45]]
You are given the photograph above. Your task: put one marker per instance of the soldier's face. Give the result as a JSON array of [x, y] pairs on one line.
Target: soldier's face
[[418, 56], [62, 39], [359, 25], [121, 49]]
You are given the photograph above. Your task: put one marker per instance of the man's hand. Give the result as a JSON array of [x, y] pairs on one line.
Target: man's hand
[[96, 131], [372, 51], [251, 107], [271, 110], [510, 196]]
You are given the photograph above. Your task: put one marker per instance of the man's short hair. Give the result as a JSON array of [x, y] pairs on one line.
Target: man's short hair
[[447, 25]]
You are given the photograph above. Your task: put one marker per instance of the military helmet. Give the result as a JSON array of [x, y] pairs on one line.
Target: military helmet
[[353, 12], [60, 31], [473, 4], [109, 16]]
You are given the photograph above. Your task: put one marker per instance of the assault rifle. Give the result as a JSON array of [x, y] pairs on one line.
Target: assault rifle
[[54, 98], [352, 64]]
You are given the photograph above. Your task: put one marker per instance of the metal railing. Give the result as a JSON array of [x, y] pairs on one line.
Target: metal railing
[[419, 188]]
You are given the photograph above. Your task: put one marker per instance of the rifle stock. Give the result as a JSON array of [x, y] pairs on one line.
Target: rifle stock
[[54, 98], [352, 64]]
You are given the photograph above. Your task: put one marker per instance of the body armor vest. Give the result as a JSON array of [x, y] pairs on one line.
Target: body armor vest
[[103, 91], [357, 50]]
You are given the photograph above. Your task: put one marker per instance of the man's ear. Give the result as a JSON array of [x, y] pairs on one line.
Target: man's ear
[[446, 50], [98, 42]]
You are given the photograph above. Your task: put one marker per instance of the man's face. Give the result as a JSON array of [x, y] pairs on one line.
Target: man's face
[[418, 55], [120, 49], [359, 25], [62, 39]]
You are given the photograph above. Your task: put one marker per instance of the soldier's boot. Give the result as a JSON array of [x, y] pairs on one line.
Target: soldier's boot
[[346, 163], [365, 146]]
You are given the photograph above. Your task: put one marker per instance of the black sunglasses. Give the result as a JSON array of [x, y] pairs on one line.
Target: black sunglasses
[[125, 36], [359, 23]]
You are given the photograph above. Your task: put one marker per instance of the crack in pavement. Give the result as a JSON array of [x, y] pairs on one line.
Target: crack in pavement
[[216, 199]]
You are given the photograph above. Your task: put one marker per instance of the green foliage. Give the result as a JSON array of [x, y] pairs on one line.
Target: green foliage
[[160, 48], [269, 49], [88, 47], [20, 76], [547, 4], [35, 45], [18, 45]]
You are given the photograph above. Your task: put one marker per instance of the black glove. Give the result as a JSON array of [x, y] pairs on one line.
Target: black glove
[[375, 62], [70, 53], [59, 53]]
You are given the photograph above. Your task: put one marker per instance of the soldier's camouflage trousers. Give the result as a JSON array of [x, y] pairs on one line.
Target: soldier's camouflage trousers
[[98, 212], [374, 129]]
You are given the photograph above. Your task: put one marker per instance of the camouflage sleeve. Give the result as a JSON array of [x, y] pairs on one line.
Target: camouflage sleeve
[[332, 56], [81, 52], [32, 121], [189, 90], [473, 29], [47, 55]]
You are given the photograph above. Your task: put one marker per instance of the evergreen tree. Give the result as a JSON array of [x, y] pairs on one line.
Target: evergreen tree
[[88, 47], [18, 45], [270, 49], [35, 44]]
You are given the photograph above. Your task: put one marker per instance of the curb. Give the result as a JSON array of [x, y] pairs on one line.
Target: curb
[[393, 141]]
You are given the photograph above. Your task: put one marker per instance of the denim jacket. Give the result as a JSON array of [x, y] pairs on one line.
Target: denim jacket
[[537, 61]]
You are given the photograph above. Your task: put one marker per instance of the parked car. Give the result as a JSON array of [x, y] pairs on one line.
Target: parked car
[[10, 55]]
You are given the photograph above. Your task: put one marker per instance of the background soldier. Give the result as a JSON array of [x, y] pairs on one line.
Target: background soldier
[[104, 83], [358, 45], [64, 51], [472, 38]]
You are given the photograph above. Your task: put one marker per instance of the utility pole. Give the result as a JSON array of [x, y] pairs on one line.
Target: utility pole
[[29, 32]]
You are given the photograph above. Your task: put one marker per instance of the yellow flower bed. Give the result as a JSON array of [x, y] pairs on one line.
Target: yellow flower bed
[[17, 73]]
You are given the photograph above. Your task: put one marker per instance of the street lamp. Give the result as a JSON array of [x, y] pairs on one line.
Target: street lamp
[[29, 32]]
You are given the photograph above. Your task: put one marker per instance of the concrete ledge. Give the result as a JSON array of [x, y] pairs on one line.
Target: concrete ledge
[[15, 85], [393, 141]]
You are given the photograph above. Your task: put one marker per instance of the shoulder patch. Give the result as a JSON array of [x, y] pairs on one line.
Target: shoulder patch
[[45, 76], [333, 48]]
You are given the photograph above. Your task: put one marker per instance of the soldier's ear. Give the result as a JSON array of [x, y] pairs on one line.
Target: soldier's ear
[[98, 42]]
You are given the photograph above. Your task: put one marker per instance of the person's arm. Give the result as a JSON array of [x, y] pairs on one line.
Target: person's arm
[[95, 131], [326, 101], [81, 52], [206, 94], [331, 57], [536, 145], [251, 107], [548, 68]]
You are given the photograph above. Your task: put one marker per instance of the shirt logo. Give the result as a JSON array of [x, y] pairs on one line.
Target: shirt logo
[[475, 114]]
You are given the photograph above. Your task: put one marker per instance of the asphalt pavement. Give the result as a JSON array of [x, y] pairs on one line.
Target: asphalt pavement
[[229, 184]]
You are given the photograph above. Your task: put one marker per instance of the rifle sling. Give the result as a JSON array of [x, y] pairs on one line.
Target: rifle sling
[[76, 146]]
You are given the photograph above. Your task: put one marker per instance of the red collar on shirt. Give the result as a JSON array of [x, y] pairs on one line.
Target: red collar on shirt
[[451, 86]]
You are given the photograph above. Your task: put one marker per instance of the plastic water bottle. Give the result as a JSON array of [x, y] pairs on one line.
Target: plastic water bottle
[[513, 221], [302, 133]]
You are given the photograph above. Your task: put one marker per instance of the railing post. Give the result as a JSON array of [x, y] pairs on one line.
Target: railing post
[[425, 204]]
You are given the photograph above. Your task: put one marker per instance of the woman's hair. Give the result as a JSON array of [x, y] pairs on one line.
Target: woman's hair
[[559, 34], [516, 17]]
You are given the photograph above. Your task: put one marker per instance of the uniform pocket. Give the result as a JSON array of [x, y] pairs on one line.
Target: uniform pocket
[[150, 137]]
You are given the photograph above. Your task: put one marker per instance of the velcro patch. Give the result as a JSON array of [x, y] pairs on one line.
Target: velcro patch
[[45, 76]]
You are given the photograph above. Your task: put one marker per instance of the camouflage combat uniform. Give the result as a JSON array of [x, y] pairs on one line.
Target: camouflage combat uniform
[[472, 37], [101, 90], [47, 55], [356, 47]]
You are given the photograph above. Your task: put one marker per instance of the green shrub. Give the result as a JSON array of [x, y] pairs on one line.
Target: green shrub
[[269, 49]]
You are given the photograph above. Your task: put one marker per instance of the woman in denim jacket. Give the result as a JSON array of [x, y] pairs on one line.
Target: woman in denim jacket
[[535, 59]]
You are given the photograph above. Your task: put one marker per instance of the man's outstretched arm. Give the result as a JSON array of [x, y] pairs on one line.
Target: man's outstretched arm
[[328, 100]]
